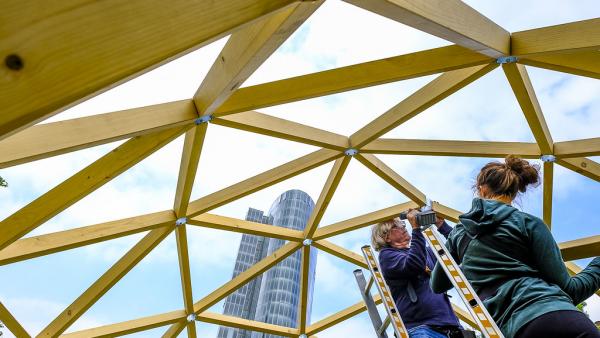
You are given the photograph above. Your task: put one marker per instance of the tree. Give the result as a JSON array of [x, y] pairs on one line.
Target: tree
[[3, 183]]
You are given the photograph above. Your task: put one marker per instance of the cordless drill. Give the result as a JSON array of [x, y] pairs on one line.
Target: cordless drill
[[425, 219]]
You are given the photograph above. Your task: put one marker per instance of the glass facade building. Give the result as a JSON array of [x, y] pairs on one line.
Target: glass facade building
[[273, 297]]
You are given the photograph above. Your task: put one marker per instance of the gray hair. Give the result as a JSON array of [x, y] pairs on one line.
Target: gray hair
[[379, 232]]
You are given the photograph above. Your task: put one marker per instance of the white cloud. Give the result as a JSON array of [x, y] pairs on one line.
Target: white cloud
[[45, 311]]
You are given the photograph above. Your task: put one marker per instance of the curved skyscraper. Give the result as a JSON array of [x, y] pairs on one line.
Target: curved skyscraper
[[272, 298]]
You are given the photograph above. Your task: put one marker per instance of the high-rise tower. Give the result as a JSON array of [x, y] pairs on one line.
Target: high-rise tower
[[273, 297]]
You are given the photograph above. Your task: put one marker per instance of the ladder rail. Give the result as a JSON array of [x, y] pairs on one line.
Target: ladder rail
[[370, 303], [475, 306], [384, 291]]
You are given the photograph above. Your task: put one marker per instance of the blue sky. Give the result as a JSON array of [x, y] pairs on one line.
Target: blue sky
[[338, 34]]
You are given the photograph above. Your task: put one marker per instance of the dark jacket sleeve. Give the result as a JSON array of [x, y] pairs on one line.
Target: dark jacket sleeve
[[445, 229], [549, 262], [399, 265], [439, 281]]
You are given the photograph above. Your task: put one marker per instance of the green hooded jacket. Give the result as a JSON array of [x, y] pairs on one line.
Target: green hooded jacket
[[514, 253]]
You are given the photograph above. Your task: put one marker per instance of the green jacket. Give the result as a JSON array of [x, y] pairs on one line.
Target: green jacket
[[514, 253]]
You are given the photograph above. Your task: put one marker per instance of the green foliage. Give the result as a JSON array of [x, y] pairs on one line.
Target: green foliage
[[581, 306], [3, 183]]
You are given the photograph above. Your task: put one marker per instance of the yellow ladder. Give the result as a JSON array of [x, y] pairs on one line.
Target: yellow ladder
[[481, 316], [484, 320], [376, 278]]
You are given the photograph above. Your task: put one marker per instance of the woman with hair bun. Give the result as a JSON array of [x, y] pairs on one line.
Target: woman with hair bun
[[514, 264]]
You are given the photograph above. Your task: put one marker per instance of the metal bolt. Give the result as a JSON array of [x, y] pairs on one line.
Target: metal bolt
[[506, 59], [350, 152], [181, 221], [548, 158], [203, 119], [191, 317], [14, 62], [307, 242]]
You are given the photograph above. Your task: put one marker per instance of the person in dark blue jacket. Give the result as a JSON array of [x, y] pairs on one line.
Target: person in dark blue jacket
[[406, 262]]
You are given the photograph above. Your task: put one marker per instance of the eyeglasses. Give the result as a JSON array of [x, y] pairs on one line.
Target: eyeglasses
[[398, 226]]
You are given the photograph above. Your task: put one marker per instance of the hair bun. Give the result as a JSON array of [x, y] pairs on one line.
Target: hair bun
[[528, 173]]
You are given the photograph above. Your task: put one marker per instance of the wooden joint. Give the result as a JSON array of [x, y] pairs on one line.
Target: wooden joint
[[506, 59], [203, 119]]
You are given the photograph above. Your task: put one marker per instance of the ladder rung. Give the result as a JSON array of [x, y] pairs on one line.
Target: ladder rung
[[369, 284], [384, 326]]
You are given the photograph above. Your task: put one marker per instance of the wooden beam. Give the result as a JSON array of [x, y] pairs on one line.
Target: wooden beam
[[521, 85], [11, 323], [333, 180], [580, 35], [362, 221], [51, 139], [451, 148], [244, 277], [37, 246], [272, 126], [464, 316], [175, 329], [186, 278], [82, 183], [580, 248], [262, 181], [435, 91], [340, 252], [130, 326], [303, 297], [192, 147], [389, 175], [360, 307], [547, 200], [246, 227], [583, 166], [245, 324], [451, 20], [583, 63], [351, 77], [574, 269], [577, 148], [98, 45], [105, 282], [340, 316], [246, 50], [447, 212]]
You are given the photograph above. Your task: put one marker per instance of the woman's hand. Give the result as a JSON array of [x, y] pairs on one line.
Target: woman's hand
[[439, 221]]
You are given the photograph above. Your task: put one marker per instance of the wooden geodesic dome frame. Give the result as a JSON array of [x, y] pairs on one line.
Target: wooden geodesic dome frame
[[60, 54]]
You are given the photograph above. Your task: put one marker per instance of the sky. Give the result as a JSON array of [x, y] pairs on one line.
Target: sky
[[338, 34]]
